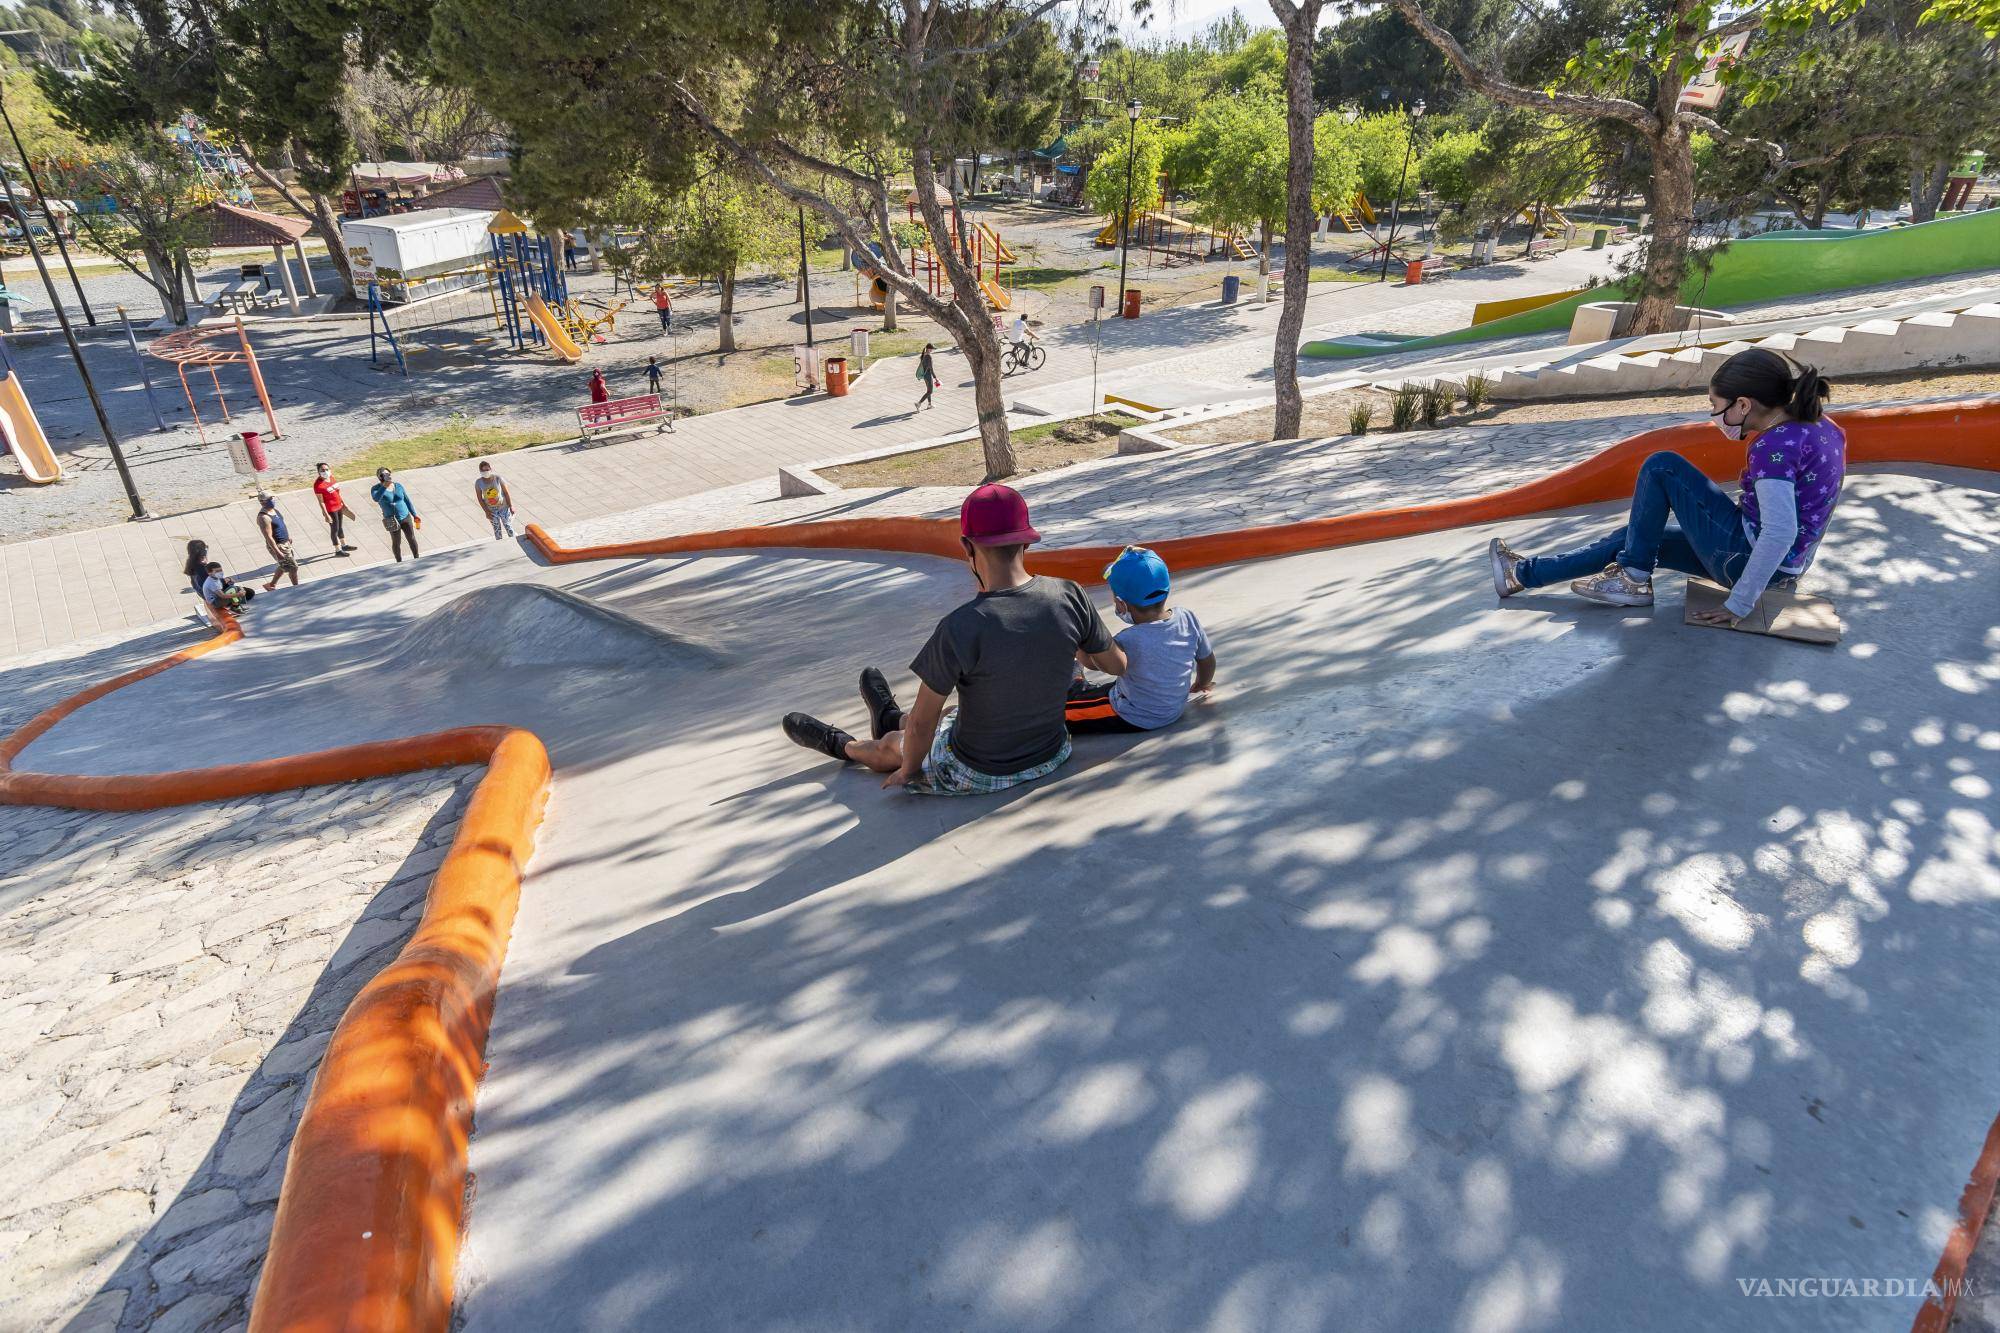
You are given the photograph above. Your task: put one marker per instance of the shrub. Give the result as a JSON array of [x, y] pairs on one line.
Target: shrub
[[1403, 407], [1433, 402], [1359, 418], [1478, 390]]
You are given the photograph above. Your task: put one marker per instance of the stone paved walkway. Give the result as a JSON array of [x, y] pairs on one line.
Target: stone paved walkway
[[1203, 489], [168, 983]]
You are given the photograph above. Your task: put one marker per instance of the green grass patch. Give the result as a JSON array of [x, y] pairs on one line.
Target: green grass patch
[[1343, 275], [456, 439], [1033, 277]]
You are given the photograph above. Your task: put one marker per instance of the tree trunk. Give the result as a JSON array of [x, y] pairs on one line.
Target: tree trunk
[[166, 284], [889, 312], [1670, 199], [1819, 205], [970, 325], [725, 325], [1927, 190], [1299, 214], [318, 207], [1264, 249]]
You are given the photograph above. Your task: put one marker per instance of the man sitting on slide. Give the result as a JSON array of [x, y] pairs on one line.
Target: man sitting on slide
[[1008, 655]]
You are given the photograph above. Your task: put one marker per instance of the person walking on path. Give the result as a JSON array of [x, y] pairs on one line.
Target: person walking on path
[[334, 507], [926, 376], [653, 375], [399, 516], [600, 392], [277, 540], [1766, 537], [494, 500], [663, 303], [569, 254], [1007, 654]]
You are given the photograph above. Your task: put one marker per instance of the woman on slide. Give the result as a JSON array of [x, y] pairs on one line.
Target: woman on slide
[[1791, 479]]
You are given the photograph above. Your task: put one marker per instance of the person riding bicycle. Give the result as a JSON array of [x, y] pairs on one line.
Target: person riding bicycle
[[1019, 335]]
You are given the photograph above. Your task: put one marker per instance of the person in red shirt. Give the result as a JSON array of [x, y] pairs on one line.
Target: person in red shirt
[[600, 392], [334, 508], [664, 304]]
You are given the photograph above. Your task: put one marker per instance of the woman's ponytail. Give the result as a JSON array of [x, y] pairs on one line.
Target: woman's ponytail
[[1809, 394]]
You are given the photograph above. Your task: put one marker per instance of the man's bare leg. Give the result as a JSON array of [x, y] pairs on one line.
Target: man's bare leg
[[884, 756]]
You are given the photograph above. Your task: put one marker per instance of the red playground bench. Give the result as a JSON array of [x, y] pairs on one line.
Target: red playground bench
[[621, 414]]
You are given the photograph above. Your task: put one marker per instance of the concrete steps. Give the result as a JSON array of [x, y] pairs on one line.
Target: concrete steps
[[1936, 339]]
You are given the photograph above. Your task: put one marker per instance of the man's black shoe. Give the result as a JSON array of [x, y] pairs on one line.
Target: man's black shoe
[[884, 714], [817, 735]]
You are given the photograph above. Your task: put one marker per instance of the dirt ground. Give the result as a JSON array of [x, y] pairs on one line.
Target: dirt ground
[[1037, 449], [1328, 414]]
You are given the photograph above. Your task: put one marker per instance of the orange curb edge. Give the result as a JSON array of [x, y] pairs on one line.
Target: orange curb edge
[[368, 1222], [1964, 433], [380, 1151], [1948, 1279]]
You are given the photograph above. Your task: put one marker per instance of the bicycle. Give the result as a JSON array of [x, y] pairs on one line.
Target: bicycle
[[1023, 356]]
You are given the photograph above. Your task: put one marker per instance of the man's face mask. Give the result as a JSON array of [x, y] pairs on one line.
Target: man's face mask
[[1731, 429]]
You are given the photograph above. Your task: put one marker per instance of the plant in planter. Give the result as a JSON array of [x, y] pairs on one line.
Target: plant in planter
[[1403, 407]]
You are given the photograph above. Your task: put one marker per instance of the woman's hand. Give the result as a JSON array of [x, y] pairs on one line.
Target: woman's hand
[[1719, 616]]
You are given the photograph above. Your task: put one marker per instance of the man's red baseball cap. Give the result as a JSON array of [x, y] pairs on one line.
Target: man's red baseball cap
[[996, 515]]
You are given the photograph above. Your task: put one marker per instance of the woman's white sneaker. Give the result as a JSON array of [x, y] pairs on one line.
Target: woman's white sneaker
[[1614, 587], [1506, 579]]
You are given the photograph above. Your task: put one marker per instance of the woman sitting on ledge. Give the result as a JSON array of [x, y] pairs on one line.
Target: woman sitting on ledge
[[1791, 479]]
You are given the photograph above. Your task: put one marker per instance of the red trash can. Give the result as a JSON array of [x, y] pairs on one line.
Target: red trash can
[[253, 444], [1131, 310], [836, 376], [1414, 274]]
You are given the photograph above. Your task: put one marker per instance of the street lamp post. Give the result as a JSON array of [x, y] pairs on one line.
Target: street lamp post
[[1132, 110], [1396, 204], [76, 353], [805, 276]]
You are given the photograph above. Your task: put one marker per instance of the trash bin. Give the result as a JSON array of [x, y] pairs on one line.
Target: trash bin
[[1232, 286], [1131, 310], [836, 376], [253, 445], [1413, 273], [859, 339], [1599, 237]]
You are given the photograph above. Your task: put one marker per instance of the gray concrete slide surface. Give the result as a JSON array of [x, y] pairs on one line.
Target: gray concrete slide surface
[[1461, 965]]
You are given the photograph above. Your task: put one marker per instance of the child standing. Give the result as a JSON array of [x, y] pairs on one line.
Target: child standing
[[495, 501], [1167, 654], [653, 375]]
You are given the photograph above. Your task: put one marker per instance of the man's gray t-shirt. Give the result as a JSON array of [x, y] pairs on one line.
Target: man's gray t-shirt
[[1010, 655]]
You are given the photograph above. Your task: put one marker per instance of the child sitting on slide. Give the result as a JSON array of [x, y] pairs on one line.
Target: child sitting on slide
[[1167, 655]]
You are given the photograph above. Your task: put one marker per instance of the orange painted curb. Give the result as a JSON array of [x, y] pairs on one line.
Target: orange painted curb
[[1973, 1206], [1956, 434], [368, 1222]]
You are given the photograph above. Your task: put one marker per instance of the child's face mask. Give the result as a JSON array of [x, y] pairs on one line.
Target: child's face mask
[[1730, 429], [1122, 611]]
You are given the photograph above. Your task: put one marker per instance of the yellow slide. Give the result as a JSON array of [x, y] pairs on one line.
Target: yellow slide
[[24, 434], [1364, 208], [1000, 247], [1109, 236], [552, 329], [996, 295]]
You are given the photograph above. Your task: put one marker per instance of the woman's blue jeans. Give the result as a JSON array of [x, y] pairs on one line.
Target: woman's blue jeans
[[1704, 535]]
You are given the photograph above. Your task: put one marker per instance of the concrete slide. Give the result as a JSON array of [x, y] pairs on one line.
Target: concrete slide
[[552, 329], [24, 434]]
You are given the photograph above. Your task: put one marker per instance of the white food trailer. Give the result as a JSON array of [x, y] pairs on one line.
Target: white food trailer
[[410, 256]]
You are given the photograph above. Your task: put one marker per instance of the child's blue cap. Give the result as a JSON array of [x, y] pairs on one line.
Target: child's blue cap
[[1138, 577]]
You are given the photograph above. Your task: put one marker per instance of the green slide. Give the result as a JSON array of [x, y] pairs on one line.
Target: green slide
[[1760, 268]]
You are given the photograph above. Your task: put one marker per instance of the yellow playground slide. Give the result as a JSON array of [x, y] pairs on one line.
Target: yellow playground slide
[[24, 434], [1000, 247], [552, 329], [996, 295]]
